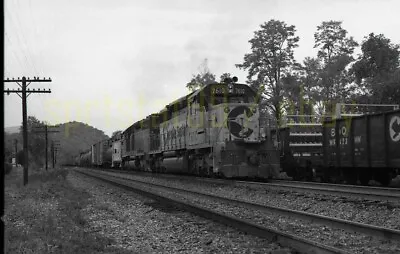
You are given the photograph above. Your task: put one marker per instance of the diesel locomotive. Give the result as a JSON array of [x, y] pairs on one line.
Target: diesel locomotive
[[216, 130]]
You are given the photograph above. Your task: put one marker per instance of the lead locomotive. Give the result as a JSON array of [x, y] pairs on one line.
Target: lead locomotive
[[215, 130]]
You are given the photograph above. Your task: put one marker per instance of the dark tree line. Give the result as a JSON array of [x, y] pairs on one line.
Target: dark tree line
[[315, 85]]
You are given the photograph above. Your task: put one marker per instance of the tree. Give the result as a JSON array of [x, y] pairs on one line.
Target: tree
[[8, 147], [224, 76], [377, 69], [204, 77], [301, 87], [310, 71], [115, 133], [36, 141], [270, 59], [335, 51]]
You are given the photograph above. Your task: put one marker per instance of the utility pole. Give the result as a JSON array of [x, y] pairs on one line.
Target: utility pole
[[53, 151], [16, 151], [55, 155], [24, 83], [46, 131]]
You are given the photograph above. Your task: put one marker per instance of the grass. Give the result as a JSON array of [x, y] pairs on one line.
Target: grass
[[46, 216]]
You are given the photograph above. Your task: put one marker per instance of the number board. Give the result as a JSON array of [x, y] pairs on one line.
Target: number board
[[227, 90]]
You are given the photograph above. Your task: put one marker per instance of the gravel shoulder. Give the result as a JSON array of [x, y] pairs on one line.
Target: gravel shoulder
[[353, 242], [141, 225]]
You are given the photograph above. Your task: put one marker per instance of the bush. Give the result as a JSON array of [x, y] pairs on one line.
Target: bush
[[7, 168]]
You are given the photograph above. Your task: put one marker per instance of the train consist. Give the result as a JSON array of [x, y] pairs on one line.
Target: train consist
[[216, 130]]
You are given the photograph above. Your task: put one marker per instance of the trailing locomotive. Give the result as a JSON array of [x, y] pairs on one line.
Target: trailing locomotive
[[215, 130]]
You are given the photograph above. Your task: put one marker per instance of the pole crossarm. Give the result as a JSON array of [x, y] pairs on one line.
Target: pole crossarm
[[46, 131], [8, 91], [35, 79]]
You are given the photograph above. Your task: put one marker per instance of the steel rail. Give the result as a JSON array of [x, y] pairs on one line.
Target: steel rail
[[341, 186], [381, 232], [300, 244], [365, 192]]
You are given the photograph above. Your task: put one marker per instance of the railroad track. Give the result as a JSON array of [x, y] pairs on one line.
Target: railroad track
[[353, 191], [298, 243], [366, 192]]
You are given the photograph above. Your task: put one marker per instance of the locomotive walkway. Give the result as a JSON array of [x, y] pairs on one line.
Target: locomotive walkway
[[158, 192]]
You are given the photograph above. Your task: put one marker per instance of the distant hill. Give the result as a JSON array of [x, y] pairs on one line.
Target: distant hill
[[11, 130], [76, 137], [73, 137]]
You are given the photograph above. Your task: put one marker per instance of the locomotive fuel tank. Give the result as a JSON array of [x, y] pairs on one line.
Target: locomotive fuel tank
[[174, 164]]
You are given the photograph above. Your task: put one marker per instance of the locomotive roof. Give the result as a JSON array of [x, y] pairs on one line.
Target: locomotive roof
[[141, 123]]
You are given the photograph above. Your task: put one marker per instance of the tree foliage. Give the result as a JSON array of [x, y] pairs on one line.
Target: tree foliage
[[115, 133], [271, 58], [224, 76], [204, 77], [332, 41], [335, 50], [377, 69], [36, 140]]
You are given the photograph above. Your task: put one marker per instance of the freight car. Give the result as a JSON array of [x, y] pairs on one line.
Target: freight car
[[85, 158], [215, 130], [116, 161], [362, 148], [301, 146], [301, 142], [101, 153]]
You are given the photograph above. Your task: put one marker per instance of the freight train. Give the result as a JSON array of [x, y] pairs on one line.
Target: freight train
[[216, 130]]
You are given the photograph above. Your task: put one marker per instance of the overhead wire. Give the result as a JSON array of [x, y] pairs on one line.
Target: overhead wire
[[25, 41], [38, 52], [36, 35], [17, 59], [16, 40], [19, 35]]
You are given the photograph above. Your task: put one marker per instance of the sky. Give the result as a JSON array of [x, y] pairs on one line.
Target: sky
[[112, 63]]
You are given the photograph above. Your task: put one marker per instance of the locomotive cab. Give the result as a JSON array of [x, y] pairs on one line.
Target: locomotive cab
[[228, 124]]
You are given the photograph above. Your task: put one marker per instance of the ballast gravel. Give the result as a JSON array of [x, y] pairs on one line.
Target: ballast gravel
[[352, 242], [141, 225], [378, 213]]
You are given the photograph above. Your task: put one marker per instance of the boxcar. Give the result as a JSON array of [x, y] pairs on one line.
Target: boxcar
[[116, 151], [101, 153], [363, 148]]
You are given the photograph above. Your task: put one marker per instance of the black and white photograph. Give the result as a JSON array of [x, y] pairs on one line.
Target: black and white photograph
[[200, 126]]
